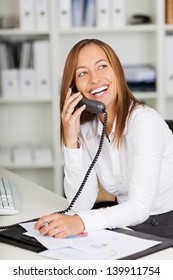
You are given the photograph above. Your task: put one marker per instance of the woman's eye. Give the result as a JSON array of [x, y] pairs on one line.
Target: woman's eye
[[82, 74], [102, 66]]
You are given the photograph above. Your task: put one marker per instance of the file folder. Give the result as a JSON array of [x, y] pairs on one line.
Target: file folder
[[26, 14], [165, 243], [42, 68], [16, 237], [90, 13], [27, 83], [65, 17], [169, 11], [41, 14], [26, 55], [9, 81], [103, 13], [169, 64], [117, 12], [77, 13]]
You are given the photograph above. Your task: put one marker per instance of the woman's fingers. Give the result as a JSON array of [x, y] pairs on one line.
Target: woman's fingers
[[59, 226], [70, 103]]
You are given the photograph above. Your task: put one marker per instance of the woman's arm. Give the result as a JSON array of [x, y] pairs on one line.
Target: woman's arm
[[77, 162]]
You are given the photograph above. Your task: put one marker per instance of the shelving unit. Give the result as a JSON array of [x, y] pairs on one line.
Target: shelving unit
[[33, 121], [37, 121]]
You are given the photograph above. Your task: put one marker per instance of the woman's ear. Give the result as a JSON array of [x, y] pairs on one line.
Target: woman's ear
[[74, 89]]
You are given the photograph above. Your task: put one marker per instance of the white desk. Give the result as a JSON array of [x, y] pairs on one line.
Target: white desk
[[38, 201]]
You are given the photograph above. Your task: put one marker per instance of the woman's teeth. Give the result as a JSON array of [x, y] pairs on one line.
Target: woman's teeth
[[99, 91]]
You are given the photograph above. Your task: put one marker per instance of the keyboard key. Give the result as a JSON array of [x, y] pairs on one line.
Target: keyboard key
[[9, 197]]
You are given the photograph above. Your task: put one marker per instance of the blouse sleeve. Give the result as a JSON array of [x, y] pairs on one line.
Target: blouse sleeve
[[77, 162]]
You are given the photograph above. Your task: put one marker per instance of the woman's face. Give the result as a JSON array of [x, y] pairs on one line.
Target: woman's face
[[95, 78]]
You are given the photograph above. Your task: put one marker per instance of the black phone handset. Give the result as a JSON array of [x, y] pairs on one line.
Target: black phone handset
[[92, 106], [95, 107]]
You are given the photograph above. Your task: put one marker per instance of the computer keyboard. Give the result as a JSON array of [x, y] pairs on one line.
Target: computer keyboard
[[9, 197]]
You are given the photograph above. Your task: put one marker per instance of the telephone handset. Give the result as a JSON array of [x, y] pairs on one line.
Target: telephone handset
[[95, 107], [92, 106]]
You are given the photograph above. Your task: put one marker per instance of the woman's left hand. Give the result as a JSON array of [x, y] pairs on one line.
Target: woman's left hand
[[60, 226]]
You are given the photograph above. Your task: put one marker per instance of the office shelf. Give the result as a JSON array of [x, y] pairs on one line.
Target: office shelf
[[24, 100], [19, 32], [28, 166], [95, 30]]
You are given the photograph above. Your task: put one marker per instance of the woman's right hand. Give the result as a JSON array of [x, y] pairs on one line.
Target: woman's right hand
[[71, 119]]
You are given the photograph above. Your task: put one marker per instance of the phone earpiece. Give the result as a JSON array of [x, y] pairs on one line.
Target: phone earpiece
[[92, 106]]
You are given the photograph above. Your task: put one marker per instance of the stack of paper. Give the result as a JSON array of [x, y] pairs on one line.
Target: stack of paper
[[98, 245]]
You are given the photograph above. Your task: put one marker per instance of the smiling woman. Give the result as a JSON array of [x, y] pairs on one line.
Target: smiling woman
[[136, 161], [96, 72]]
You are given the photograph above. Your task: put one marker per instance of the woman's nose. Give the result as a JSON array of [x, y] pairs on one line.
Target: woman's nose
[[94, 77]]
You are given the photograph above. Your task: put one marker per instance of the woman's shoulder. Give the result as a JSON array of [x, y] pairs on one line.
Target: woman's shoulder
[[143, 111], [145, 117]]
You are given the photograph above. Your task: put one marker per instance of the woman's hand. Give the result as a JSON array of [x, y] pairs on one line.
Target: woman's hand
[[71, 118], [60, 226]]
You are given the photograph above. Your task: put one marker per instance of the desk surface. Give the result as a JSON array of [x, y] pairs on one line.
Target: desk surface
[[38, 201]]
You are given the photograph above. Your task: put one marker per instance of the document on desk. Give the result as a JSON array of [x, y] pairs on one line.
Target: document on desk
[[103, 244]]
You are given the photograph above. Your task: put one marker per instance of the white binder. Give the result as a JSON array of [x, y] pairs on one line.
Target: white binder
[[41, 14], [90, 13], [118, 16], [9, 81], [27, 83], [65, 18], [103, 13], [169, 64], [26, 14], [77, 13], [42, 68]]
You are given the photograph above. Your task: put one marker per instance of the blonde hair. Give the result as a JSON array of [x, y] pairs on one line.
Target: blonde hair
[[125, 102]]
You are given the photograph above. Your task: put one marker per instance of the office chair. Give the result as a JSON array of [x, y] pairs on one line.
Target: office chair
[[170, 124], [108, 203]]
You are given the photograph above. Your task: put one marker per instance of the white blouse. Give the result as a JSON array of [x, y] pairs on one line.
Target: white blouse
[[139, 173]]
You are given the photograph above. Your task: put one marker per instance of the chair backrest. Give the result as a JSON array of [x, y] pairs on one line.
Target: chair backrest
[[170, 124]]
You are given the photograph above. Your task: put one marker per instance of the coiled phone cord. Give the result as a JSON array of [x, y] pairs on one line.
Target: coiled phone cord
[[81, 186]]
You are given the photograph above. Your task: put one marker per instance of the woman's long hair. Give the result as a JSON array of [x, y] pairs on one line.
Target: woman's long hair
[[125, 102]]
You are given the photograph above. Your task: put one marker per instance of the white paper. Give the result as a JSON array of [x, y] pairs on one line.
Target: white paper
[[74, 254], [102, 244]]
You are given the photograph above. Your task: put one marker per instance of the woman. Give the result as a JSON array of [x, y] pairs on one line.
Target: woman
[[136, 161]]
